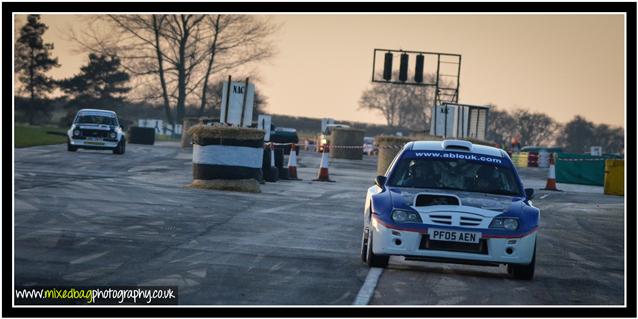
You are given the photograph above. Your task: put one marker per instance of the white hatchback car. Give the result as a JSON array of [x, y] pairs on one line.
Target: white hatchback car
[[451, 201], [96, 129]]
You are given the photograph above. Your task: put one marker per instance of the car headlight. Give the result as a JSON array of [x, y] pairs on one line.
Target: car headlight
[[76, 132], [505, 222], [406, 216], [112, 135]]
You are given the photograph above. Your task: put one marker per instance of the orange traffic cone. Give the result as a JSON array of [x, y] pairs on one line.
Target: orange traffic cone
[[323, 167], [292, 163], [551, 177]]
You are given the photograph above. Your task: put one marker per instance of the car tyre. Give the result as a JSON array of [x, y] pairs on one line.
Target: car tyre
[[372, 259], [364, 246], [523, 272], [121, 147], [70, 147]]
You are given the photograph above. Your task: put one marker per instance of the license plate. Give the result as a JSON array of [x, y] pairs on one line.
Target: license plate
[[454, 235], [94, 143]]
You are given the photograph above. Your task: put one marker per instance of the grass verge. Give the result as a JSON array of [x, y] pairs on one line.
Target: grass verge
[[27, 135]]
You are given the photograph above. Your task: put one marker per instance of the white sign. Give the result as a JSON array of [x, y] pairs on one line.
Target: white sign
[[236, 103], [459, 121], [264, 123], [596, 151]]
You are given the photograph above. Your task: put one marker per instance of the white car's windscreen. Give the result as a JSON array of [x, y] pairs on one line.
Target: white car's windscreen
[[455, 174], [96, 119]]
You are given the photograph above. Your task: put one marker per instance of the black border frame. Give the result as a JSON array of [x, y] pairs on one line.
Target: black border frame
[[8, 8]]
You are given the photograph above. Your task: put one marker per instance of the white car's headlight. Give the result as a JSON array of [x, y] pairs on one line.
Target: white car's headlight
[[76, 132], [406, 216], [112, 135], [505, 222]]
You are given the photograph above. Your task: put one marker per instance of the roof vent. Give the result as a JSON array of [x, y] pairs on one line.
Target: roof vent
[[457, 145]]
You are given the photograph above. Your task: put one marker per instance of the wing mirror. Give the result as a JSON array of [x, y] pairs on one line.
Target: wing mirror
[[529, 192], [380, 181]]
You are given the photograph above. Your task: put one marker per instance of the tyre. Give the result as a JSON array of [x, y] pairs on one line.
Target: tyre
[[372, 259], [121, 146], [523, 272], [70, 147], [364, 246]]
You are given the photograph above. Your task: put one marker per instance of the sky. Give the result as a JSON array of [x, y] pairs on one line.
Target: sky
[[557, 64]]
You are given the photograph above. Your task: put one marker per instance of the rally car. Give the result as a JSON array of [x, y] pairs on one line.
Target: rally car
[[96, 129], [451, 201]]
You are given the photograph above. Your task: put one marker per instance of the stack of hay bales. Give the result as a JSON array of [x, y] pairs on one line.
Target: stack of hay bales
[[227, 158], [188, 123], [389, 147], [346, 143]]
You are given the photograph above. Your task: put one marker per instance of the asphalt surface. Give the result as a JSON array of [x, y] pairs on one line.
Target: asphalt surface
[[94, 218]]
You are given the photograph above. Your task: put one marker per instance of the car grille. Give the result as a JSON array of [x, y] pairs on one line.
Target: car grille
[[94, 133], [456, 219], [479, 248]]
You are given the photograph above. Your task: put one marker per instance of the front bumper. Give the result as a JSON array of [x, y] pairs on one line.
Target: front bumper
[[97, 144], [400, 242]]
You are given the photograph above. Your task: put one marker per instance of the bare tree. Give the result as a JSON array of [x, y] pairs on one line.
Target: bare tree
[[406, 106], [181, 52], [234, 41], [534, 128], [501, 127]]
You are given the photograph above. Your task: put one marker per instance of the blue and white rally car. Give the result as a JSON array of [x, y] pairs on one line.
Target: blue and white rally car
[[96, 129], [451, 201]]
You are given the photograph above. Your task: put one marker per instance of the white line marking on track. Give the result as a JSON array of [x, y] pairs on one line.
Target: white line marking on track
[[366, 291], [544, 196]]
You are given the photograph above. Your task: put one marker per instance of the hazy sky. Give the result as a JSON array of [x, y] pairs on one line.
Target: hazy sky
[[562, 65]]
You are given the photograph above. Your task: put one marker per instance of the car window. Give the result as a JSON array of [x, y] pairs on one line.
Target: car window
[[96, 119], [455, 174]]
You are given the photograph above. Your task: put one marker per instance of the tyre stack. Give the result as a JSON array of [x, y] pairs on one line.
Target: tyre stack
[[227, 158], [141, 135]]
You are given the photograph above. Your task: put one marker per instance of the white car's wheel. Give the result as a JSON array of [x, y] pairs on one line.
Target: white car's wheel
[[372, 259], [70, 147], [364, 246], [121, 147], [523, 272]]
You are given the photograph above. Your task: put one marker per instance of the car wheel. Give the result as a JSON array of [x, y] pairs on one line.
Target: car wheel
[[70, 147], [523, 272], [372, 259], [119, 150], [364, 246]]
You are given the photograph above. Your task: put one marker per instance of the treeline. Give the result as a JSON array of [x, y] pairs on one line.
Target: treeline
[[538, 129], [178, 61], [409, 107]]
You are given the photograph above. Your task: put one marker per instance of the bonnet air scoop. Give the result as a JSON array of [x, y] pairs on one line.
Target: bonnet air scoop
[[436, 199], [457, 145]]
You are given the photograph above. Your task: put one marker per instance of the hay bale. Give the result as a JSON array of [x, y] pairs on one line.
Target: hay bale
[[389, 147], [237, 185], [186, 137], [201, 133], [346, 143]]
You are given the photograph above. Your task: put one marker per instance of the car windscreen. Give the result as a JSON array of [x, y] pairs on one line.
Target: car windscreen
[[455, 174], [96, 119]]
